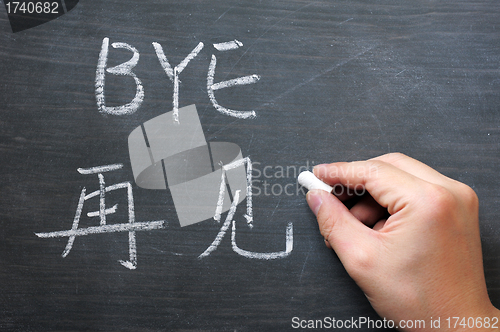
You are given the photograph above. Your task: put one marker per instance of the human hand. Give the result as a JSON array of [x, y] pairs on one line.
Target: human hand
[[425, 259]]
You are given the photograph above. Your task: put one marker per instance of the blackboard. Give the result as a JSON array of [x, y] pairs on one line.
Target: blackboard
[[332, 81]]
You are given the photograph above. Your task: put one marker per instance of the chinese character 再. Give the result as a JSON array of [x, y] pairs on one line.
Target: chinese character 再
[[131, 226]]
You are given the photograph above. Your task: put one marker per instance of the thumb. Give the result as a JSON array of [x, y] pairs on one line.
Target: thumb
[[349, 237]]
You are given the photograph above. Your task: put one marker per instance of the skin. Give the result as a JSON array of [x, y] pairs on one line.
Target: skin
[[412, 245]]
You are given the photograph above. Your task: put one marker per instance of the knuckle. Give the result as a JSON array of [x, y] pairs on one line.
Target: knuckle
[[446, 208], [392, 157], [444, 199], [440, 197], [375, 170], [395, 155], [469, 196], [374, 166], [361, 262]]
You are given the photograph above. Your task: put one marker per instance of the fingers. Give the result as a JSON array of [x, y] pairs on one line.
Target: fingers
[[394, 181], [379, 225], [368, 211], [390, 186], [416, 168], [343, 232]]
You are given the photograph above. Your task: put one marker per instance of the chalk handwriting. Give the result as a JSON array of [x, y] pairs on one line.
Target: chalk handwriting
[[227, 46], [122, 69], [211, 87], [131, 227], [172, 73], [248, 216]]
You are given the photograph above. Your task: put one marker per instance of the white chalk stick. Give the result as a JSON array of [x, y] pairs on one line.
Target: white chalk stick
[[310, 181]]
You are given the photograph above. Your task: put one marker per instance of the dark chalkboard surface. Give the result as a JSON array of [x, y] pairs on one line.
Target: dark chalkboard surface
[[327, 80]]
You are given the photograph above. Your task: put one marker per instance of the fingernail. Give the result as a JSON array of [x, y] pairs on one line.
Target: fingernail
[[314, 199], [319, 165], [319, 169]]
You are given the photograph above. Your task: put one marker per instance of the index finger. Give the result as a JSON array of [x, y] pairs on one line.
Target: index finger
[[415, 168]]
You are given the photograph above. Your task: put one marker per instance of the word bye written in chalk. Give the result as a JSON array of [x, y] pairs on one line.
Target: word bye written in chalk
[[126, 69]]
